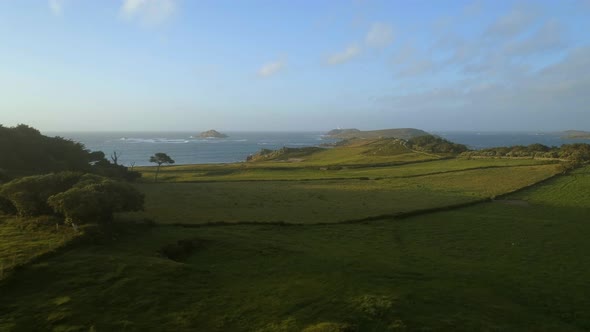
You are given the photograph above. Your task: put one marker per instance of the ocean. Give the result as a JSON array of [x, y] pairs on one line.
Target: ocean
[[135, 148]]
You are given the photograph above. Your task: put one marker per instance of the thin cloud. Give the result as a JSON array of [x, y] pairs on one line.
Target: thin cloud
[[548, 37], [271, 68], [409, 62], [473, 9], [556, 91], [380, 35], [348, 54], [56, 6], [516, 21], [149, 12]]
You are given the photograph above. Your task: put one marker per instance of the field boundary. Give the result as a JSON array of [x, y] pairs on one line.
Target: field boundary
[[351, 178], [283, 168], [397, 216], [552, 177]]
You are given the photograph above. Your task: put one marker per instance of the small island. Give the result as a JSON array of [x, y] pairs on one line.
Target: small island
[[212, 134]]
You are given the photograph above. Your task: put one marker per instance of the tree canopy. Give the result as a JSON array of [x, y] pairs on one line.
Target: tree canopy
[[25, 151], [160, 158]]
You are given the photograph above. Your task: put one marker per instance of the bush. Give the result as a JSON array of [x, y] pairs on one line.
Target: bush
[[76, 196], [29, 195], [96, 202], [435, 144], [566, 167]]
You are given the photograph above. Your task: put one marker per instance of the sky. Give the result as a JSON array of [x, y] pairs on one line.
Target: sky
[[278, 65]]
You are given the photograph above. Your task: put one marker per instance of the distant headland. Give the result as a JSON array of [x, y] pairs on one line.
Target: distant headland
[[212, 134], [403, 133], [576, 134]]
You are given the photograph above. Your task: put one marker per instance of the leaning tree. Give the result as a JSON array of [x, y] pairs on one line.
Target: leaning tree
[[160, 158]]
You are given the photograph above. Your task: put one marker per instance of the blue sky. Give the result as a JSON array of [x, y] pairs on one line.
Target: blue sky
[[295, 65]]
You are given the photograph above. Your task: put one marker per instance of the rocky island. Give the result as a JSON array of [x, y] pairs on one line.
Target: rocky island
[[212, 134]]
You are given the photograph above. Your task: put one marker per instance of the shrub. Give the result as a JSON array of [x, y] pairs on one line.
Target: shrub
[[79, 197], [435, 144], [29, 195], [91, 201]]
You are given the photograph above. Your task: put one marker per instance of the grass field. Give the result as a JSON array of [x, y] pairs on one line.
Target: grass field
[[572, 190], [329, 201], [22, 241], [489, 267], [510, 265], [266, 172]]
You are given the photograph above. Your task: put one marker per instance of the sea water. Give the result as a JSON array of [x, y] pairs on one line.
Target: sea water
[[135, 148]]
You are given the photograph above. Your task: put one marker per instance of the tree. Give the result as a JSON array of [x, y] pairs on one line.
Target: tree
[[115, 157], [25, 151], [160, 158]]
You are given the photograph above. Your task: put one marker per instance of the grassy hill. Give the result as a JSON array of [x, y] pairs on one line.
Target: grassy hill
[[353, 153]]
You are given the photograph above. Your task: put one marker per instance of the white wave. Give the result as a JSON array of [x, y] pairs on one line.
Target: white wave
[[156, 140]]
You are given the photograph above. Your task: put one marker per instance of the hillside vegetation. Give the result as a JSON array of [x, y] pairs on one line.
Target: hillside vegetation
[[25, 151], [577, 152], [41, 213]]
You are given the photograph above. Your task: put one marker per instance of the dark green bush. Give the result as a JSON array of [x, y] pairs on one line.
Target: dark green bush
[[29, 195], [96, 200], [435, 144]]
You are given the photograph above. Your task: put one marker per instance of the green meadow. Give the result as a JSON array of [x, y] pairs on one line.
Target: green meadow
[[329, 201], [23, 241], [493, 266], [424, 244], [279, 171]]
